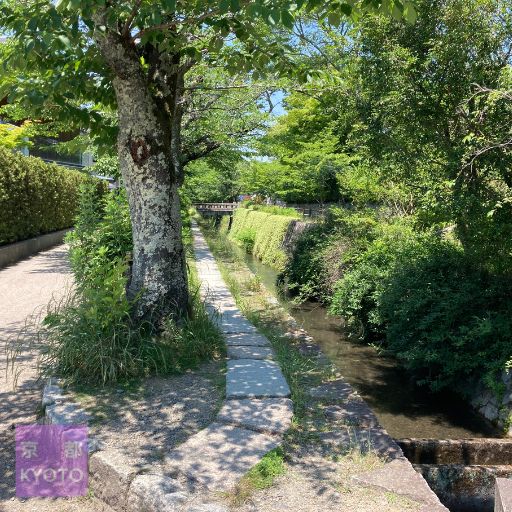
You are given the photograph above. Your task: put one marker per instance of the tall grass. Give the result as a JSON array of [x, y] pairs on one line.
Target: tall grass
[[90, 337]]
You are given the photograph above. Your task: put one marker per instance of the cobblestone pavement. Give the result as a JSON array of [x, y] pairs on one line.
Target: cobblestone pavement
[[25, 290]]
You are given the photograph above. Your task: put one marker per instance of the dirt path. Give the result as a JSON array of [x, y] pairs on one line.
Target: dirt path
[[25, 289]]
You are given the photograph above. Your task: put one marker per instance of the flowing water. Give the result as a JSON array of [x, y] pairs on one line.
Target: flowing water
[[403, 409]]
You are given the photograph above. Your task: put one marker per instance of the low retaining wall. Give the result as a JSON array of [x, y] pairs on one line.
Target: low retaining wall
[[18, 251], [462, 472]]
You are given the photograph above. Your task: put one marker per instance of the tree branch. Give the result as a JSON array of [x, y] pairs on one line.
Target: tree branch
[[126, 30]]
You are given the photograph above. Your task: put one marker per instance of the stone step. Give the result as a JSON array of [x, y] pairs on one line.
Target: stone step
[[251, 339], [252, 378], [233, 321], [267, 415], [243, 352], [218, 456]]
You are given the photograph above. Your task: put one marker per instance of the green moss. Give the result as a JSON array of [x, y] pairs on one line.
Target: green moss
[[270, 231]]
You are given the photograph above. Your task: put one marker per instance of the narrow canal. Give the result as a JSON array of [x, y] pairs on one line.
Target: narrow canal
[[403, 409]]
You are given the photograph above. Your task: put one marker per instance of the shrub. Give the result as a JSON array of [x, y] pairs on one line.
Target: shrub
[[102, 234], [447, 320], [246, 238], [303, 275], [91, 337], [323, 252], [357, 294], [35, 197]]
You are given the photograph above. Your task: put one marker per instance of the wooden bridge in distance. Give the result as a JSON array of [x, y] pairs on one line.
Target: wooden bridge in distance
[[214, 209]]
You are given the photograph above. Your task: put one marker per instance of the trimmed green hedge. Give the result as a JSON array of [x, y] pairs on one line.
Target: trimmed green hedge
[[35, 197], [269, 230]]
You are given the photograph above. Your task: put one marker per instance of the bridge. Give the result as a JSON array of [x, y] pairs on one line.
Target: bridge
[[214, 209]]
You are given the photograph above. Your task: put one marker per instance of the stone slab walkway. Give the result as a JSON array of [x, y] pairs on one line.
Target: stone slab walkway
[[257, 410]]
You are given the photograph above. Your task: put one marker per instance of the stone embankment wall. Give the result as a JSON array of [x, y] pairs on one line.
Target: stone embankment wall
[[496, 408], [293, 233]]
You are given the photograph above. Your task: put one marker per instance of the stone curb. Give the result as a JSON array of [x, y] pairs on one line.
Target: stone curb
[[17, 251]]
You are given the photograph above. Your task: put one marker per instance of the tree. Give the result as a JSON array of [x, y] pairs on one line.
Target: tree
[[134, 56]]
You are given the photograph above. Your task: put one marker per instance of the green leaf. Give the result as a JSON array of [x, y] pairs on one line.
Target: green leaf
[[61, 4], [64, 40], [287, 19], [410, 14], [334, 18], [346, 9], [169, 5]]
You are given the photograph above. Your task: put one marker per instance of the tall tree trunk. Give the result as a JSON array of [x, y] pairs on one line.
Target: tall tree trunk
[[150, 169], [158, 277]]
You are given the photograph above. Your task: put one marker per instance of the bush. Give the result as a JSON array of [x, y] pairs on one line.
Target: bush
[[270, 231], [324, 252], [102, 233], [246, 238], [448, 321], [92, 338], [35, 197], [357, 294], [445, 318]]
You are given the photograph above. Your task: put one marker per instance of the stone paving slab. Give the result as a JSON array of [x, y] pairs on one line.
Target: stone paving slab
[[247, 339], [334, 390], [398, 476], [207, 507], [223, 306], [233, 321], [503, 501], [218, 456], [272, 415], [251, 378], [244, 352], [353, 412]]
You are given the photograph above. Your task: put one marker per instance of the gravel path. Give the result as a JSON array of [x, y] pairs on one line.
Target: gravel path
[[25, 289]]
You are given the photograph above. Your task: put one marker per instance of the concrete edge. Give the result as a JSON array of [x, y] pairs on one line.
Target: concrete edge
[[17, 251]]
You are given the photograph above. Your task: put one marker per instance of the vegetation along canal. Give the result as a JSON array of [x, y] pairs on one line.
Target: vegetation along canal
[[402, 408]]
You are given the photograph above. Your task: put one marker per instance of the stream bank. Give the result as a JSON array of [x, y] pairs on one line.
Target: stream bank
[[464, 479], [403, 409]]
